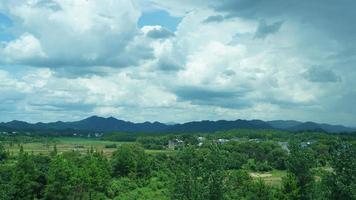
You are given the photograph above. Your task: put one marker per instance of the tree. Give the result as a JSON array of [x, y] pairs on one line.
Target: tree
[[131, 160], [120, 186], [97, 173], [24, 178], [55, 151], [199, 174], [215, 163], [290, 189], [341, 182], [60, 179], [5, 182], [236, 180], [189, 183], [3, 153], [277, 158], [258, 190], [42, 165], [300, 163]]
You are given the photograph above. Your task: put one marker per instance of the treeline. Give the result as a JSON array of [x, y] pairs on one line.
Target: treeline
[[44, 132], [209, 172], [20, 139], [241, 133]]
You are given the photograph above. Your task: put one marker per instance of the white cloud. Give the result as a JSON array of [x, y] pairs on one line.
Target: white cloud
[[217, 70], [157, 32], [25, 48], [41, 91], [78, 33]]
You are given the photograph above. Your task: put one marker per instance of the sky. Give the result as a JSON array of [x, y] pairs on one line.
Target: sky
[[178, 61]]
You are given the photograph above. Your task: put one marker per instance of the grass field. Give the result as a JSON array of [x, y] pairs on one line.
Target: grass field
[[273, 178], [64, 145], [67, 144]]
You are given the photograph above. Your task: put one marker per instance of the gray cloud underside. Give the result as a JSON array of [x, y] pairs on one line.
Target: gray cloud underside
[[318, 74], [335, 16], [215, 18], [263, 29], [201, 96], [160, 33]]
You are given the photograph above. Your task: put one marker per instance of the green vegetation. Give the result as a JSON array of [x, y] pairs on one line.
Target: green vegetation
[[236, 164], [63, 144]]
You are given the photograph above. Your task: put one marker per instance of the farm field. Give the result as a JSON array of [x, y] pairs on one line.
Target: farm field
[[64, 145], [67, 144]]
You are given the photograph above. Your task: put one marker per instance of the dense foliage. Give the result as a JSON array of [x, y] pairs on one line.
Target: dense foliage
[[317, 166]]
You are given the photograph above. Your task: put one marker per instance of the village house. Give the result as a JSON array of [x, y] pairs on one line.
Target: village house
[[173, 144], [284, 146], [222, 141]]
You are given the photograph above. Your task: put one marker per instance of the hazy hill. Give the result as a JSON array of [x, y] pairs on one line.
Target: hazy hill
[[101, 124]]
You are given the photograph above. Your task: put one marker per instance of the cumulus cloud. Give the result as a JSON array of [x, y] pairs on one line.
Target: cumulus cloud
[[26, 48], [41, 91], [157, 32], [226, 60], [167, 63], [77, 33]]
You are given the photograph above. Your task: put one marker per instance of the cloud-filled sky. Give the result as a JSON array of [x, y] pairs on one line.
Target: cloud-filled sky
[[177, 61]]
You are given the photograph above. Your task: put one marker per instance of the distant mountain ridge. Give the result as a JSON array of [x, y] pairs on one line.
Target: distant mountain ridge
[[292, 125], [101, 124]]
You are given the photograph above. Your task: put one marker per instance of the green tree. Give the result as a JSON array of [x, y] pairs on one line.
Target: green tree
[[290, 189], [97, 173], [236, 180], [120, 186], [3, 153], [5, 182], [199, 174], [341, 182], [131, 160], [278, 158], [42, 165], [258, 190], [60, 179], [300, 162], [24, 180], [55, 151]]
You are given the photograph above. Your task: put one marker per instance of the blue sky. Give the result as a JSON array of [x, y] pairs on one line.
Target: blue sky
[[159, 17], [5, 24], [178, 61]]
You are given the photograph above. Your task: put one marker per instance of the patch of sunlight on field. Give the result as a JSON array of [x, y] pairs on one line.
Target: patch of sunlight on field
[[150, 151], [273, 178]]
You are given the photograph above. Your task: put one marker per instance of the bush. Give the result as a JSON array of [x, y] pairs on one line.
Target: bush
[[131, 160], [257, 166], [3, 154], [120, 186], [111, 146]]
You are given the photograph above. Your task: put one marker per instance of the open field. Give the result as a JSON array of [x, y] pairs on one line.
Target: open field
[[151, 151], [64, 145], [273, 178], [67, 144]]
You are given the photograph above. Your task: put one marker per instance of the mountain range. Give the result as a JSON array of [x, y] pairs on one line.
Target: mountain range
[[110, 124]]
